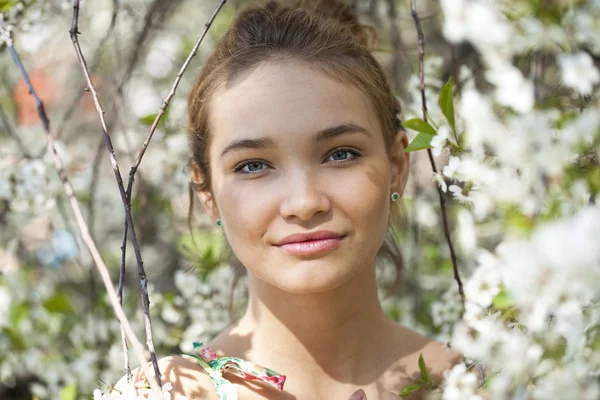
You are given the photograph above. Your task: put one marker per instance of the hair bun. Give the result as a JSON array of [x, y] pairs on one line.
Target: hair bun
[[341, 12]]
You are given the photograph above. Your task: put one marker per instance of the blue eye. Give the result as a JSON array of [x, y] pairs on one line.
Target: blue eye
[[251, 167], [341, 155]]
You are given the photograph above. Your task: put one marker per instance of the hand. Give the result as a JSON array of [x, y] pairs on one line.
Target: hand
[[360, 395]]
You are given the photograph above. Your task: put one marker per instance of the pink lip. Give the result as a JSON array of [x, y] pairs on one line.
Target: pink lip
[[310, 243]]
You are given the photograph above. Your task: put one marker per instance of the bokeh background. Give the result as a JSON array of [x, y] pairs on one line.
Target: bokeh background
[[58, 334]]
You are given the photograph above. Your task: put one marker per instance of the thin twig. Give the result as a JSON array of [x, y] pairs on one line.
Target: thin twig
[[126, 203], [421, 41], [119, 110], [120, 295], [83, 228], [157, 119], [171, 94]]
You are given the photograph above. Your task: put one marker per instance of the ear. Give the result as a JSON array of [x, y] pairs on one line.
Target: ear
[[205, 196], [400, 162]]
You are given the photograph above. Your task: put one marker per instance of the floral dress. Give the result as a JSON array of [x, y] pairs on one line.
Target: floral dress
[[216, 366]]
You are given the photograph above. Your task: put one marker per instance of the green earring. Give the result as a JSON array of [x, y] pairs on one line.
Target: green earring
[[219, 222], [395, 196]]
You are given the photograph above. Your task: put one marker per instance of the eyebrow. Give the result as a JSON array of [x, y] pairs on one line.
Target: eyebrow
[[325, 134]]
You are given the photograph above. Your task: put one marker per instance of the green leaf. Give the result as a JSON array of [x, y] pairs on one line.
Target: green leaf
[[502, 300], [205, 249], [69, 392], [417, 124], [18, 312], [423, 368], [5, 5], [148, 120], [422, 141], [446, 102], [59, 303], [409, 389], [595, 341]]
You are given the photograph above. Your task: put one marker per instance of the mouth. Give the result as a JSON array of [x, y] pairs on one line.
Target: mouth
[[311, 243]]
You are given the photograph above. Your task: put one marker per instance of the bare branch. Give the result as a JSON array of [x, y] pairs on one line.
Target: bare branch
[[83, 228], [157, 119], [171, 94], [421, 42], [141, 272], [126, 194]]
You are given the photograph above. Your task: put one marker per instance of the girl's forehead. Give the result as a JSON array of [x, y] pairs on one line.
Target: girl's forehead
[[281, 97]]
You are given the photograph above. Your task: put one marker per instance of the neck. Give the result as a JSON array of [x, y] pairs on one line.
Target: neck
[[328, 330]]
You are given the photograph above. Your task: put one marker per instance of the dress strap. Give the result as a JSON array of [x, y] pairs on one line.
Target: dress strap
[[216, 366]]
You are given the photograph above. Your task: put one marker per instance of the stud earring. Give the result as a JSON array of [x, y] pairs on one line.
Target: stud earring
[[219, 222], [395, 196]]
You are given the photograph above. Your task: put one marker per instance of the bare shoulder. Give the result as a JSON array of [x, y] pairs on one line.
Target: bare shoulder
[[187, 377], [437, 356]]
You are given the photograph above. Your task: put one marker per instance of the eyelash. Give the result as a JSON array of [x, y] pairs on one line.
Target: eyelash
[[355, 154], [242, 165]]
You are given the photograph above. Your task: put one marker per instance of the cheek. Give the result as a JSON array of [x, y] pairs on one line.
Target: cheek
[[364, 196], [245, 211]]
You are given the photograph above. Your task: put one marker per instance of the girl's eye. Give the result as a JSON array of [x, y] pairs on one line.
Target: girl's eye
[[251, 167], [341, 155]]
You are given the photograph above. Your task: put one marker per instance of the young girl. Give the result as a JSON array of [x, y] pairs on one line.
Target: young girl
[[298, 155]]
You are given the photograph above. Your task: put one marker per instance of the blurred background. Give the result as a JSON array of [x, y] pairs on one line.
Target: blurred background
[[58, 334]]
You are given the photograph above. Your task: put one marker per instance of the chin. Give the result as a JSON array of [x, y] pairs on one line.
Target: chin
[[312, 276]]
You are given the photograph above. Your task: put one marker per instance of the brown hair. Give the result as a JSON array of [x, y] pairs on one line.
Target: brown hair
[[324, 35]]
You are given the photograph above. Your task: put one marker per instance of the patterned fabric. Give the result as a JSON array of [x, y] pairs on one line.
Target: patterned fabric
[[216, 366]]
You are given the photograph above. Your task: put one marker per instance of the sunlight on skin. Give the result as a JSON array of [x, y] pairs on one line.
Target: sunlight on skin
[[274, 175]]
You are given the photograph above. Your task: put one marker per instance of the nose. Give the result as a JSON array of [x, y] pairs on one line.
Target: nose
[[304, 197]]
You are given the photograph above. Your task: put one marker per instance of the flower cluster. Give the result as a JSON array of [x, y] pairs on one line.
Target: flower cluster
[[526, 172]]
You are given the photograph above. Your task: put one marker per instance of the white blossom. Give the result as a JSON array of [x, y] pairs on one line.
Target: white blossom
[[454, 28], [467, 236], [100, 23], [98, 395], [460, 384], [143, 99], [512, 89], [161, 56], [577, 71], [426, 214], [439, 180], [439, 140], [457, 192], [451, 169]]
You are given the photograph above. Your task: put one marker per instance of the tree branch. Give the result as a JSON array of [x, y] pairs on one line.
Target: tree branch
[[171, 94], [157, 119], [126, 203], [126, 194], [85, 234], [421, 41]]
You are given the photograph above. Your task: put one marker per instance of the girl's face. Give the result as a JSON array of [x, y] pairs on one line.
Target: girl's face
[[295, 152]]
